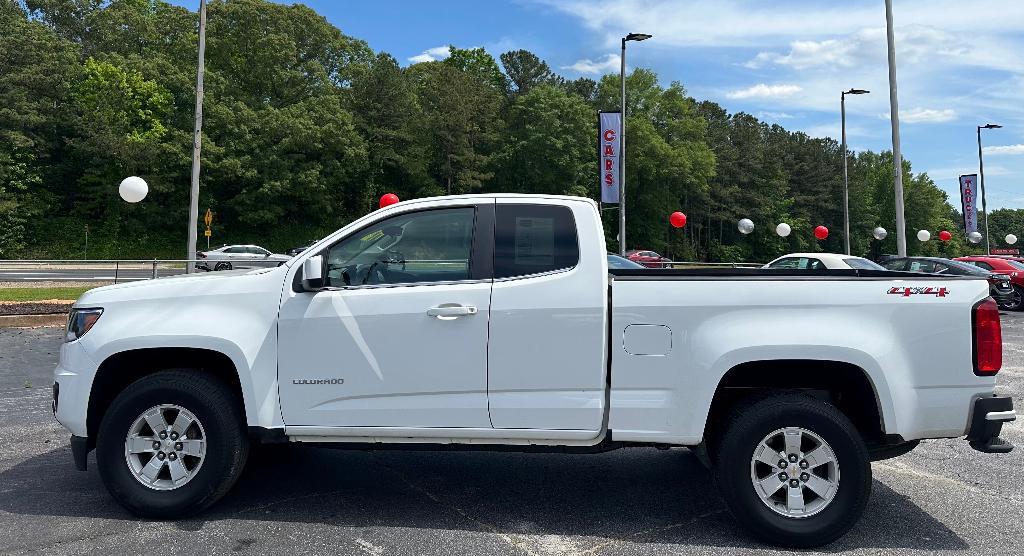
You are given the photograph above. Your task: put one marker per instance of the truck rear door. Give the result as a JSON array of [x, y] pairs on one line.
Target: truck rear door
[[546, 345]]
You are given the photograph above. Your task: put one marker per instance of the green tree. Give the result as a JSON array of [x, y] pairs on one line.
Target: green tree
[[389, 118], [462, 117], [36, 71], [550, 146], [526, 71], [479, 65]]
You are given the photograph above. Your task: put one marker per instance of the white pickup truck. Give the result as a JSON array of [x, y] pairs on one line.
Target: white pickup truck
[[495, 320]]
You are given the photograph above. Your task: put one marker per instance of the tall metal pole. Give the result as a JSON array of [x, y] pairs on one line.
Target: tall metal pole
[[984, 208], [894, 116], [846, 179], [193, 214], [622, 154]]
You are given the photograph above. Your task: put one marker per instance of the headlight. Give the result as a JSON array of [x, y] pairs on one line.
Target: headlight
[[81, 321]]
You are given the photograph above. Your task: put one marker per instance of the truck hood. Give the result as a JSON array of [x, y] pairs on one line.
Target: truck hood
[[183, 285]]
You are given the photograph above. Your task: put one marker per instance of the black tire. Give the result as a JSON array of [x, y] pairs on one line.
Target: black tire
[[222, 266], [227, 445], [732, 469], [1016, 301]]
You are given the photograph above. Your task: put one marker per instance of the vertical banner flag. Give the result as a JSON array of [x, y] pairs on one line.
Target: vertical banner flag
[[608, 141], [968, 200]]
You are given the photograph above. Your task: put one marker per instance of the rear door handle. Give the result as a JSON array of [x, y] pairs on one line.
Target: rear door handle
[[451, 310]]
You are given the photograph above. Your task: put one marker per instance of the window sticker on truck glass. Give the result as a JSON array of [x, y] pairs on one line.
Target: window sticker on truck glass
[[373, 236], [936, 291], [535, 241]]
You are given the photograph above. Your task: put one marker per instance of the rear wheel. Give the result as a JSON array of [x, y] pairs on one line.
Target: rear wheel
[[793, 470], [172, 444]]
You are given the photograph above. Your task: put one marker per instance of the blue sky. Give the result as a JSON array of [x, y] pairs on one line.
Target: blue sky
[[960, 64]]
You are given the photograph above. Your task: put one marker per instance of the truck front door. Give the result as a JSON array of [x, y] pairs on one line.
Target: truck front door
[[402, 341]]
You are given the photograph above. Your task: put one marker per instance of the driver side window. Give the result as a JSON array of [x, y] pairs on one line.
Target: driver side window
[[418, 247]]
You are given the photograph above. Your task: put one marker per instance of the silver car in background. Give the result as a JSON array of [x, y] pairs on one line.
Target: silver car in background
[[238, 256]]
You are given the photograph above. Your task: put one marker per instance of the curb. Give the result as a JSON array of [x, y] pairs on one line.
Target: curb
[[34, 321]]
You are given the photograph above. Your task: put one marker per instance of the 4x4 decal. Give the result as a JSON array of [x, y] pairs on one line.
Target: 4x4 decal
[[926, 290]]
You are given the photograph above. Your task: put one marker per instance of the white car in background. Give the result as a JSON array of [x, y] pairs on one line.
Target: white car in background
[[822, 261], [238, 256]]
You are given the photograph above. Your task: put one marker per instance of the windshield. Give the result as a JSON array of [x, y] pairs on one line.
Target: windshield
[[967, 268], [862, 264], [615, 261], [1016, 264]]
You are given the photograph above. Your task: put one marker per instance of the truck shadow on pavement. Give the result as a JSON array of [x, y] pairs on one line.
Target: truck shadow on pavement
[[637, 495]]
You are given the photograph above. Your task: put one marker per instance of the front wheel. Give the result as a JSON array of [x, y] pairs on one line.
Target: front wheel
[[793, 470], [222, 266], [172, 444]]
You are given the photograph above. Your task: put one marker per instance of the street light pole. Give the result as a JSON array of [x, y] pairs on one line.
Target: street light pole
[[846, 179], [193, 214], [981, 172], [894, 116], [622, 140]]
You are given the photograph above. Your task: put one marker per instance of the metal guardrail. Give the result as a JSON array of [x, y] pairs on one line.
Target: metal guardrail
[[118, 266]]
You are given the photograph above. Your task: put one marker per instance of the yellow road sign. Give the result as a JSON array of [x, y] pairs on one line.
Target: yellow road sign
[[207, 233], [208, 219]]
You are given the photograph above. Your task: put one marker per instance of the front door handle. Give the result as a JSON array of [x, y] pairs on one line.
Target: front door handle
[[449, 311]]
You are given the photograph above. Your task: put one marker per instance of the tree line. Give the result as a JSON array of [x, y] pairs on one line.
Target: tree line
[[306, 127]]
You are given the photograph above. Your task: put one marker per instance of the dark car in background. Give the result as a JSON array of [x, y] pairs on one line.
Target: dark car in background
[[999, 286], [296, 250], [650, 259], [1002, 265]]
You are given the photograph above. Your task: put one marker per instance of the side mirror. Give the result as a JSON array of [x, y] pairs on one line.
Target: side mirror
[[313, 273]]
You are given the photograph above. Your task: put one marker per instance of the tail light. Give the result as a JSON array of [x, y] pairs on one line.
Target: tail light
[[988, 338], [200, 255]]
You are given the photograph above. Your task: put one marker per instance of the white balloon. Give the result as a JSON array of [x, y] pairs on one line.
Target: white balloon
[[879, 233], [924, 235], [783, 229], [974, 237], [133, 189], [1011, 239], [745, 226]]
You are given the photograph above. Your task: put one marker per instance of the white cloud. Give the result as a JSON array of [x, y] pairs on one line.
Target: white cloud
[[805, 54], [765, 115], [762, 90], [924, 115], [952, 173], [1005, 149], [430, 55], [609, 63], [755, 22]]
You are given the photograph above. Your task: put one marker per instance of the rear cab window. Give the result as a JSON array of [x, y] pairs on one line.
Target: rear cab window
[[534, 239]]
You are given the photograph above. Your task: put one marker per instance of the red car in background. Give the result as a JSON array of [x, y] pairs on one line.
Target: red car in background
[[1010, 266], [650, 259]]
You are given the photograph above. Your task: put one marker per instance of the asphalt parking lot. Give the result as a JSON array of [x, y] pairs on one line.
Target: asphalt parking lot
[[303, 500]]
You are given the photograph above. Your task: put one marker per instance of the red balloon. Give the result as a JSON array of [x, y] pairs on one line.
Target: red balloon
[[945, 236], [388, 199], [677, 219], [821, 232]]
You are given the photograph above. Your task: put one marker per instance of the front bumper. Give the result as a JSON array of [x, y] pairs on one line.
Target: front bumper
[[987, 420]]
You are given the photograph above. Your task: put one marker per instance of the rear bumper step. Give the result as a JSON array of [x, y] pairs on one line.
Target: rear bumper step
[[987, 420]]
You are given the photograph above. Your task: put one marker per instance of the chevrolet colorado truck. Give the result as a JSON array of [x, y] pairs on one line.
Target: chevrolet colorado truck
[[494, 321]]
